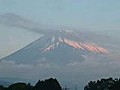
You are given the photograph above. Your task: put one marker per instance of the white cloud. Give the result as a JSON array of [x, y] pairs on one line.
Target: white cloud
[[11, 68], [73, 72]]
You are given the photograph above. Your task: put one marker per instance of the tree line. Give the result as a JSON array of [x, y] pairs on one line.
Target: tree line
[[53, 84], [104, 84], [48, 84]]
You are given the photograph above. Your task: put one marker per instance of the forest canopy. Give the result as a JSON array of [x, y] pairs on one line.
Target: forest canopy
[[48, 84]]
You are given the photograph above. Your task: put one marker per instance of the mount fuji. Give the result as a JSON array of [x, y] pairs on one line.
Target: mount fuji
[[55, 46]]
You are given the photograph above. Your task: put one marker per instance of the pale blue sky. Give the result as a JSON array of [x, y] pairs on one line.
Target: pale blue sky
[[90, 14]]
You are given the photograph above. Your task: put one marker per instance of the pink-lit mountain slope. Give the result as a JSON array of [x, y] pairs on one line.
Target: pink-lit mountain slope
[[61, 47]]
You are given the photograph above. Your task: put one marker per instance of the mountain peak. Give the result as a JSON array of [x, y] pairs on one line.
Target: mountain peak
[[86, 46]]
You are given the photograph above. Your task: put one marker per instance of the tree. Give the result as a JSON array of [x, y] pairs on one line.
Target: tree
[[104, 84], [18, 86], [2, 87], [49, 84]]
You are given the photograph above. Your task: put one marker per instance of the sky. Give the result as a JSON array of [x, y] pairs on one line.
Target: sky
[[89, 14]]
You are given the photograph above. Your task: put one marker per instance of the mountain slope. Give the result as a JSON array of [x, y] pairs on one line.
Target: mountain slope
[[60, 47]]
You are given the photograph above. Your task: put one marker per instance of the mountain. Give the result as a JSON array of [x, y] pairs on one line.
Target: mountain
[[61, 47], [56, 46]]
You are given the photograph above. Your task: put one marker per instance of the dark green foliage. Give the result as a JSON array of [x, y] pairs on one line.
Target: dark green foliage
[[104, 84], [18, 86], [2, 87], [49, 84]]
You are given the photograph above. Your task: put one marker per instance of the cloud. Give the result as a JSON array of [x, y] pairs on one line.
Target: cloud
[[89, 66], [11, 68], [11, 64], [74, 72]]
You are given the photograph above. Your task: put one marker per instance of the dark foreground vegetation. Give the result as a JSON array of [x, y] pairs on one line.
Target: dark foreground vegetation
[[104, 84], [53, 84], [48, 84]]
